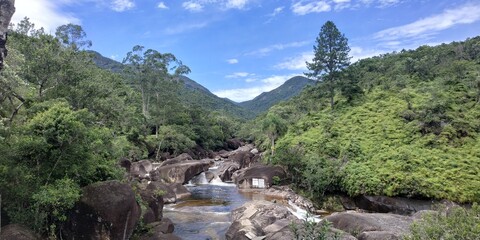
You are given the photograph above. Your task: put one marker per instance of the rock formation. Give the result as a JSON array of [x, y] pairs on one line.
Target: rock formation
[[7, 9]]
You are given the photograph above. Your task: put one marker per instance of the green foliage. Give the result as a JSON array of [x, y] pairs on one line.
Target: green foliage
[[457, 223], [413, 132], [311, 230]]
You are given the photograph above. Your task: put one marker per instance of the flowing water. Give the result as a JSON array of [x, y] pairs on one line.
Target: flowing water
[[206, 214]]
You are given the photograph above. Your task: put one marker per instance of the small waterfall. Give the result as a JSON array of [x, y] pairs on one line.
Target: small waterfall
[[302, 214], [200, 179], [218, 182]]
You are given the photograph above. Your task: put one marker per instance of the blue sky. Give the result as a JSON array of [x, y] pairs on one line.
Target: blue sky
[[241, 48]]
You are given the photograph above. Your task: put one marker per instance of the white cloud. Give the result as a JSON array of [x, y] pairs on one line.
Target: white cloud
[[232, 61], [266, 50], [237, 4], [239, 75], [185, 28], [43, 13], [428, 26], [244, 94], [358, 53], [306, 7], [297, 62], [122, 5], [277, 11], [162, 5], [198, 5], [192, 6]]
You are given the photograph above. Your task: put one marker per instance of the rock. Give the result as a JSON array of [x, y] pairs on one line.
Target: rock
[[378, 235], [397, 205], [17, 232], [254, 151], [244, 178], [226, 170], [164, 226], [234, 143], [106, 210], [7, 8], [253, 217], [178, 159], [209, 176], [171, 192], [141, 169], [181, 172], [159, 236], [347, 203], [371, 225], [243, 158], [153, 196]]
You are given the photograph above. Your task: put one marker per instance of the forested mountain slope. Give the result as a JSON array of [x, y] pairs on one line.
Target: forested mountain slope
[[413, 130], [289, 89], [189, 91]]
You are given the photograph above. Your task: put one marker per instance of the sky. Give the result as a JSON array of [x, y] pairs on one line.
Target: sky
[[241, 48]]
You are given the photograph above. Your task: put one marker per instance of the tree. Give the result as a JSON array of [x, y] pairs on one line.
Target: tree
[[331, 57], [73, 36], [273, 126]]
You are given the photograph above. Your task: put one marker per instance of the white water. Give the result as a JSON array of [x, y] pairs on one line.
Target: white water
[[301, 213]]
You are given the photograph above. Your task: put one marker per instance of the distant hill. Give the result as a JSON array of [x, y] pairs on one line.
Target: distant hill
[[196, 94], [192, 93], [289, 89], [106, 63]]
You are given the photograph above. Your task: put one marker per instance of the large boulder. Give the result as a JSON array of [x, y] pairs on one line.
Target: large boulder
[[253, 218], [171, 192], [178, 159], [397, 205], [244, 177], [141, 169], [242, 158], [226, 170], [181, 172], [370, 226], [234, 143], [17, 232], [153, 197], [106, 210]]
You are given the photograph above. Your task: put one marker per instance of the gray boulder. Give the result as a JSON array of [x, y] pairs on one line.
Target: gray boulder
[[397, 205], [17, 232], [181, 172], [371, 226], [244, 177], [106, 210]]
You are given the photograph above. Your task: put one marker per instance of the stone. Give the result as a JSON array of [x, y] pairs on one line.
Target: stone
[[397, 205], [226, 170], [178, 159], [244, 178], [254, 217], [17, 232], [371, 225], [141, 169], [181, 172], [7, 8], [106, 210]]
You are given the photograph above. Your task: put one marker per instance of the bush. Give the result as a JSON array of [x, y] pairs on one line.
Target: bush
[[456, 223]]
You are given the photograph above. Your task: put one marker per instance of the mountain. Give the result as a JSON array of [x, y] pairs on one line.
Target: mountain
[[413, 130], [196, 94], [192, 93], [289, 89], [106, 63]]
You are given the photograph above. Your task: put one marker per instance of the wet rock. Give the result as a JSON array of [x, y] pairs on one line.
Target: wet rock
[[371, 225], [106, 210], [17, 232], [397, 205], [181, 172], [209, 176], [164, 226]]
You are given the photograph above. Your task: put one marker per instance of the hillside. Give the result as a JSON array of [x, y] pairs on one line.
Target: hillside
[[191, 93], [289, 89], [414, 131]]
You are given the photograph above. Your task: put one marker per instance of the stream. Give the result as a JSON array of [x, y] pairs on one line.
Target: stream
[[207, 213]]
